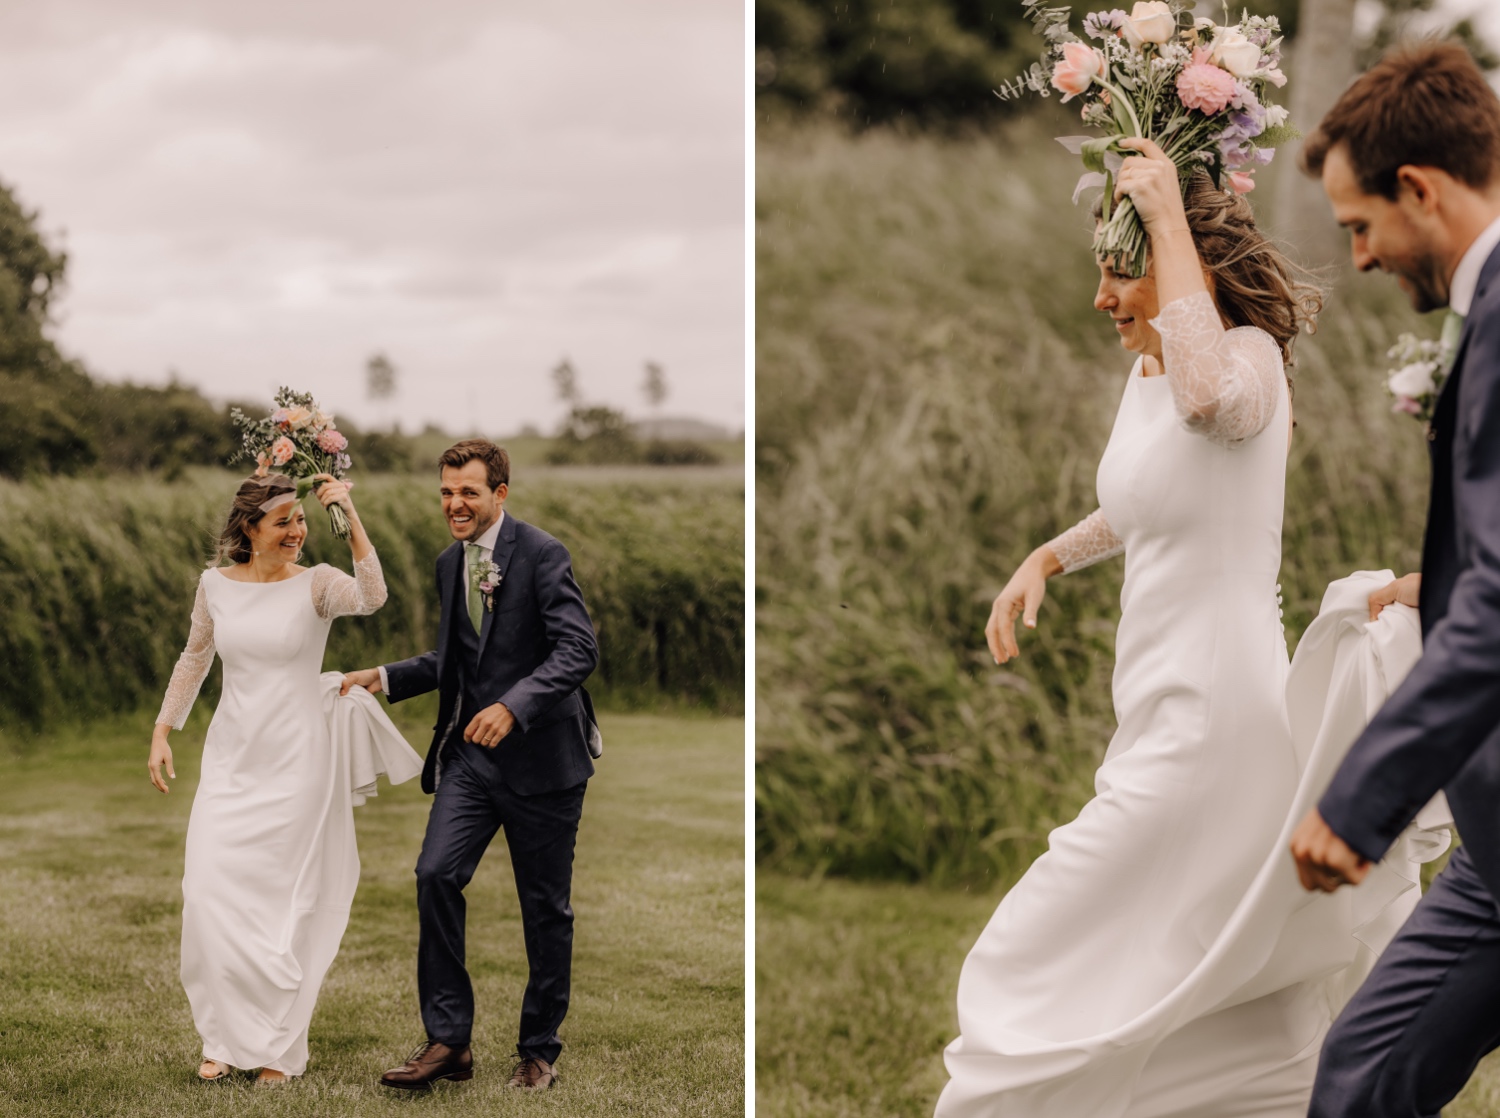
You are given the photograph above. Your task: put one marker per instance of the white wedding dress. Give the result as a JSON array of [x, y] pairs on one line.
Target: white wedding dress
[[271, 864], [1160, 958]]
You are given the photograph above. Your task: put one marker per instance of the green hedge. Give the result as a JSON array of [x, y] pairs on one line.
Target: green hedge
[[97, 580]]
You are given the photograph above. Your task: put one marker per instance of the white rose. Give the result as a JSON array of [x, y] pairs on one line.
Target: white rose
[[1150, 21], [1414, 381], [1235, 53]]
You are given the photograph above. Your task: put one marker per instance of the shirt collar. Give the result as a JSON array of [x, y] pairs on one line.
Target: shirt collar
[[1466, 275], [491, 534]]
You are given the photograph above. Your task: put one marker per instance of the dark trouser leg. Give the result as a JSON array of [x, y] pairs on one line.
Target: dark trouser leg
[[540, 831], [460, 826], [1410, 1038]]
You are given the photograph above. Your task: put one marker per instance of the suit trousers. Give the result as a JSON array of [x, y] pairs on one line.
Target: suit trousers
[[1409, 1040], [471, 804]]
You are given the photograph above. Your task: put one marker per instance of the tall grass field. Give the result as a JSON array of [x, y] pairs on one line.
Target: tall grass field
[[97, 578], [934, 390]]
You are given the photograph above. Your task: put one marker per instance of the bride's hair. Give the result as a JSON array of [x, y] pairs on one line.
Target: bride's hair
[[233, 543], [1254, 283]]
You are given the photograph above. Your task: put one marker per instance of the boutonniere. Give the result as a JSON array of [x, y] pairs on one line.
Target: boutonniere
[[488, 576], [1422, 366]]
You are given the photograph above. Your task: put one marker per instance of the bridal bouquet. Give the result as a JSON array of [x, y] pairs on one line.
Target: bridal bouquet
[[1198, 89], [298, 439], [1421, 366]]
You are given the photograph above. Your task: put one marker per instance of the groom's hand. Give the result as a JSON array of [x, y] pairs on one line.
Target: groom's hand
[[490, 726], [368, 678], [1406, 590], [1324, 861]]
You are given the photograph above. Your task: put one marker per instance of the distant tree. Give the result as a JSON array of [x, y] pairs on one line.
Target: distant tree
[[655, 387], [380, 377], [565, 382], [595, 435]]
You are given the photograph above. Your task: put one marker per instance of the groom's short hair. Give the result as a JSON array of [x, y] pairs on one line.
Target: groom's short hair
[[1422, 106], [496, 461]]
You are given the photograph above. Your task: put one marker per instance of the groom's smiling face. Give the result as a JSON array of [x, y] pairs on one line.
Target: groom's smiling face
[[469, 504], [1401, 235]]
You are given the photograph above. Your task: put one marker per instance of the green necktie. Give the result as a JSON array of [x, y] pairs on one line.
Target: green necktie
[[1453, 327], [474, 554]]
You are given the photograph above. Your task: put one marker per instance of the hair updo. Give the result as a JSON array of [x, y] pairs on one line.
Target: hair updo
[[233, 543], [1254, 284]]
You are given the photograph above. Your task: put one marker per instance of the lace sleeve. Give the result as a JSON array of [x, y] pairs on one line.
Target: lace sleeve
[[192, 666], [1225, 383], [1087, 542], [335, 594]]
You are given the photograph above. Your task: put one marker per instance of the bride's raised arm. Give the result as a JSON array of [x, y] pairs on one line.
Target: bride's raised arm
[[1225, 384], [335, 594]]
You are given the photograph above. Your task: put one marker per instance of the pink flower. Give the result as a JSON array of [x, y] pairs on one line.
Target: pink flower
[[1203, 86], [1406, 405], [262, 464], [282, 451], [278, 417], [1081, 64], [331, 441], [1241, 182]]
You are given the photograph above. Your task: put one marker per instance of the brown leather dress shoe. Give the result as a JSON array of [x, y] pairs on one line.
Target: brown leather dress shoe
[[532, 1074], [429, 1063]]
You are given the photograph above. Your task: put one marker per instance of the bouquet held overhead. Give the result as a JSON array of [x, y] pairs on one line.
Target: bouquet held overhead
[[299, 440], [1200, 90]]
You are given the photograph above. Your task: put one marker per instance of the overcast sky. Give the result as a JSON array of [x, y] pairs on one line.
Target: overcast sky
[[266, 193]]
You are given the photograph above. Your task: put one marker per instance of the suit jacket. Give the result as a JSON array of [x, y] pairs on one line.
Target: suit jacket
[[535, 649], [1441, 728]]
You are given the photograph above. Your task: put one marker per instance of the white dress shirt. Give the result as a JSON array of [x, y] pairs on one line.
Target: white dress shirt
[[1466, 275], [486, 544]]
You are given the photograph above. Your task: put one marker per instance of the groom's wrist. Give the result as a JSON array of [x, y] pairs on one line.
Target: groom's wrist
[[385, 682]]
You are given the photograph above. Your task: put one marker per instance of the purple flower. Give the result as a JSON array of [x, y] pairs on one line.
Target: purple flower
[[343, 461]]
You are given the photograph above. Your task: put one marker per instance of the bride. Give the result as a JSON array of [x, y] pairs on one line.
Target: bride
[[271, 863], [1158, 958]]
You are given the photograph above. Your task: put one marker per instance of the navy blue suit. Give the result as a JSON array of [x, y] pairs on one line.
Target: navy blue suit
[[533, 651], [1408, 1041]]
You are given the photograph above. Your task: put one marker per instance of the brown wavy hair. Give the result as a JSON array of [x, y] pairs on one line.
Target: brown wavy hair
[[1254, 282], [233, 542]]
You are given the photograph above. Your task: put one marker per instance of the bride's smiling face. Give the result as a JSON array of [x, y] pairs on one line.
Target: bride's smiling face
[[280, 534], [1131, 303]]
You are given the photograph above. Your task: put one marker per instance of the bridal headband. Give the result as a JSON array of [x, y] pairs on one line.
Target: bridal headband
[[277, 501]]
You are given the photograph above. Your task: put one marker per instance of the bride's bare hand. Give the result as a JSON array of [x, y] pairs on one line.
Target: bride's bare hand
[[333, 491], [161, 754], [1406, 590], [1022, 597]]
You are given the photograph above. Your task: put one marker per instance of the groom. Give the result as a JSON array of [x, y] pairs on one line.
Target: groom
[[512, 749], [1410, 160]]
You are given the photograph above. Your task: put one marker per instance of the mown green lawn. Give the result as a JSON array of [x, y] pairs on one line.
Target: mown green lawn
[[93, 1020], [854, 989]]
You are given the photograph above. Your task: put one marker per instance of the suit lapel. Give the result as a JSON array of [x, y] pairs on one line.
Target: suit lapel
[[500, 556]]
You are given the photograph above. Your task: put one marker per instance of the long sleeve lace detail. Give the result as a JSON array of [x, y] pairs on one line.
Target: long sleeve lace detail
[[335, 594], [1225, 383], [1087, 542], [192, 666]]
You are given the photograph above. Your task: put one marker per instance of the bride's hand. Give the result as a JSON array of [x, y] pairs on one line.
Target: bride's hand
[[161, 754], [1150, 179], [1406, 590], [1021, 598], [333, 491]]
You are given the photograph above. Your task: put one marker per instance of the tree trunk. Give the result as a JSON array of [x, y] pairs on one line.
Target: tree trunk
[[1322, 66]]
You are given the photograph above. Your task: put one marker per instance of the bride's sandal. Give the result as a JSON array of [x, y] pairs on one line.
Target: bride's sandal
[[211, 1071]]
